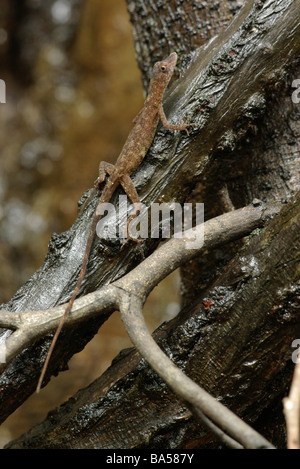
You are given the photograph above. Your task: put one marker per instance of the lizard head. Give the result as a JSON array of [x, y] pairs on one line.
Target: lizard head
[[163, 70]]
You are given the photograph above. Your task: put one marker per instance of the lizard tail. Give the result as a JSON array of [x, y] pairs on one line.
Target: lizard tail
[[105, 197], [71, 301]]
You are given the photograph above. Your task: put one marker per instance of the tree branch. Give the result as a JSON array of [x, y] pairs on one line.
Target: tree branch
[[129, 294], [186, 388], [29, 326], [228, 335]]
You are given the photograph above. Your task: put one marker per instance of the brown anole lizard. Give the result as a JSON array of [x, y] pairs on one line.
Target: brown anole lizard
[[132, 154]]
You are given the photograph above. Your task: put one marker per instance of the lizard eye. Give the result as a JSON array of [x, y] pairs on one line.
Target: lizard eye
[[163, 68]]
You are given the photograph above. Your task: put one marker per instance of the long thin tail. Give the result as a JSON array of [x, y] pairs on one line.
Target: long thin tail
[[72, 299]]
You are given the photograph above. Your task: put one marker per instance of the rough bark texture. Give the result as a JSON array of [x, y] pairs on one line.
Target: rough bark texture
[[159, 27], [241, 327], [265, 166], [244, 323]]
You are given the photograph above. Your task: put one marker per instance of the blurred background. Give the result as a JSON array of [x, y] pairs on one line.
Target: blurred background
[[72, 90]]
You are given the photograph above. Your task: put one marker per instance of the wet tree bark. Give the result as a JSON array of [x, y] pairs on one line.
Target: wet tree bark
[[240, 303], [234, 340]]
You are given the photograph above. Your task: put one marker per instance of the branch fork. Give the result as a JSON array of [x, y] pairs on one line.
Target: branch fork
[[128, 295]]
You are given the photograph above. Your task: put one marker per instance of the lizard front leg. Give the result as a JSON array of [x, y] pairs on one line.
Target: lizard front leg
[[169, 126]]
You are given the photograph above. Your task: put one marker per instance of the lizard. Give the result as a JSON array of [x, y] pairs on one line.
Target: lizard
[[132, 154]]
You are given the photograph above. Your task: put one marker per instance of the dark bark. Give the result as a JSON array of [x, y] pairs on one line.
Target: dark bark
[[265, 166], [159, 27], [235, 341], [237, 77]]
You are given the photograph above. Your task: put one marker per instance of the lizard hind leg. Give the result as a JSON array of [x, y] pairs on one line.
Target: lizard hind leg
[[131, 238], [104, 169], [131, 192]]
